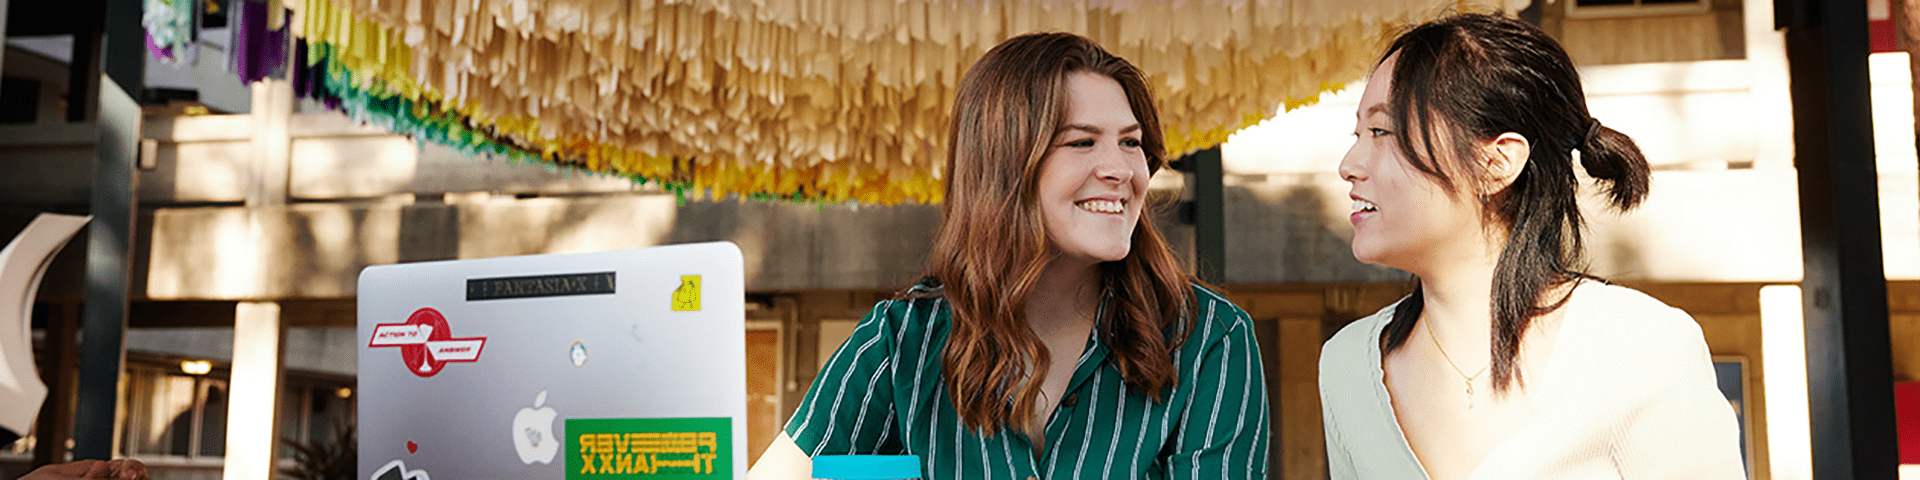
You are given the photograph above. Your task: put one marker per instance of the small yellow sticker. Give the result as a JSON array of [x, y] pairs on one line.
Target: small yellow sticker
[[687, 297]]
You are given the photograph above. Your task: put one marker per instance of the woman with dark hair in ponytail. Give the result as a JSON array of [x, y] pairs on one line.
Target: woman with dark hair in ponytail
[[1055, 334], [1507, 361]]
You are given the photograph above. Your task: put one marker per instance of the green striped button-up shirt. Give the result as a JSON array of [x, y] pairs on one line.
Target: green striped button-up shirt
[[881, 393]]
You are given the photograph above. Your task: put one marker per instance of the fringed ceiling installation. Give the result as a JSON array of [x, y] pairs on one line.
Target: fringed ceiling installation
[[820, 100]]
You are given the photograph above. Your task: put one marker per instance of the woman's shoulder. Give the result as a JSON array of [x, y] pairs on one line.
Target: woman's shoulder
[[1350, 374], [1357, 336], [1626, 301], [1630, 318], [1619, 332], [1217, 313], [921, 306], [1216, 321]]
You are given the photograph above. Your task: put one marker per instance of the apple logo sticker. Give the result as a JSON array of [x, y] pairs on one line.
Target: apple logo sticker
[[533, 432]]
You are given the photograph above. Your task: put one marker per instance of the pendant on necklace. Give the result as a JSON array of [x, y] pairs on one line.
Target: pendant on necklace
[[1469, 393]]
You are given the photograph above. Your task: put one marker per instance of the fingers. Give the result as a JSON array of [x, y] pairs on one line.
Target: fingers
[[122, 469], [126, 469], [63, 471], [100, 469]]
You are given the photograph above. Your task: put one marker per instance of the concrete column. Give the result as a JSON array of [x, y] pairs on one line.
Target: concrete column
[[258, 339], [272, 144]]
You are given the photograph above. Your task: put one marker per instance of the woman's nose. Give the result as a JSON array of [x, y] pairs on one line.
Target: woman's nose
[[1113, 165], [1349, 168]]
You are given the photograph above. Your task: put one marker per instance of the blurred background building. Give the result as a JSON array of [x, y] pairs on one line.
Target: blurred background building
[[258, 207]]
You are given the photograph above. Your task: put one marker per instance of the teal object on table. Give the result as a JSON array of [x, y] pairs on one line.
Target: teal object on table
[[866, 467]]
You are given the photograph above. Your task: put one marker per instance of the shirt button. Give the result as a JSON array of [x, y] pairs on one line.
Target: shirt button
[[1071, 400]]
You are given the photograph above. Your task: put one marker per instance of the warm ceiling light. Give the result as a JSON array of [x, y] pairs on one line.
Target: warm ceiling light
[[343, 392], [196, 367]]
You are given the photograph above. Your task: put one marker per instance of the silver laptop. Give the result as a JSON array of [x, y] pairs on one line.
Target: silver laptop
[[627, 364]]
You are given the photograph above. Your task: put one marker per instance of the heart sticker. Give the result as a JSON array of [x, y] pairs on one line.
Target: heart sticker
[[412, 447]]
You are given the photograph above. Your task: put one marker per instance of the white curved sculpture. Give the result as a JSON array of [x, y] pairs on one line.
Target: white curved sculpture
[[22, 264]]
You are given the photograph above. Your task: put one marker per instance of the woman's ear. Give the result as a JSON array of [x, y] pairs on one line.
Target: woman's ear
[[1505, 156]]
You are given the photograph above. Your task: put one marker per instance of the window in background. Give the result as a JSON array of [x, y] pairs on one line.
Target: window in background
[[170, 413], [312, 410], [1628, 8], [183, 415]]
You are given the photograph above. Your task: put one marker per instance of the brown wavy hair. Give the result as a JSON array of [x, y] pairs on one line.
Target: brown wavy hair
[[992, 244]]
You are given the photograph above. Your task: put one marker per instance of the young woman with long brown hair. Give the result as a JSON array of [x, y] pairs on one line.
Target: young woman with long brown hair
[[1507, 361], [1055, 335]]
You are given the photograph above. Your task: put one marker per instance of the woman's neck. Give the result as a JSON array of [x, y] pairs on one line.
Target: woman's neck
[[1457, 296], [1459, 302], [1066, 294]]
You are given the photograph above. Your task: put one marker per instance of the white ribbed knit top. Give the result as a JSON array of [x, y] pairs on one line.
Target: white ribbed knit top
[[1629, 393]]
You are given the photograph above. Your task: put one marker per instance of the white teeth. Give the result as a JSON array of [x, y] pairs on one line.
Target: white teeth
[[1102, 206], [1365, 206]]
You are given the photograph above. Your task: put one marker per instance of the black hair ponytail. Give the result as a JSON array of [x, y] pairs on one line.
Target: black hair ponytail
[[1611, 156], [1468, 78]]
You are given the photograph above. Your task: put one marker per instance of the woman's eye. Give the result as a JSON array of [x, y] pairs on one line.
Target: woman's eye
[[1130, 142], [1378, 132], [1082, 143]]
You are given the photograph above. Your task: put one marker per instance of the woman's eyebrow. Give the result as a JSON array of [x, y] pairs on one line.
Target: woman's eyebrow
[[1370, 110], [1093, 129]]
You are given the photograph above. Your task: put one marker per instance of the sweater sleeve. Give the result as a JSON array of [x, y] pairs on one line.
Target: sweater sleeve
[[1683, 428], [1339, 461], [1362, 441]]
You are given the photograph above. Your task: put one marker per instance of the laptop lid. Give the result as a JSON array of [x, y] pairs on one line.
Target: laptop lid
[[627, 364]]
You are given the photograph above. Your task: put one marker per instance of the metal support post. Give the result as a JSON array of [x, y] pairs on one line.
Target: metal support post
[[1849, 357]]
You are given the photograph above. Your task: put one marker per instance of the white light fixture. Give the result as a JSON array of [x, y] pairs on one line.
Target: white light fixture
[[1783, 353], [196, 367]]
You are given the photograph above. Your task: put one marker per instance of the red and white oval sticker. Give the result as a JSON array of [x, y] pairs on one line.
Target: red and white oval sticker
[[426, 343]]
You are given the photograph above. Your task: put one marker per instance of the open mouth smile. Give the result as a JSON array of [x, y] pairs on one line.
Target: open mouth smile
[[1099, 205]]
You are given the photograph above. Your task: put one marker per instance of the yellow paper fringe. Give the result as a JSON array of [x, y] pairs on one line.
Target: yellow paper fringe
[[835, 100]]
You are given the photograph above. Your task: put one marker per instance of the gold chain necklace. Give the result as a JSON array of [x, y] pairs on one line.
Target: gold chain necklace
[[1456, 368]]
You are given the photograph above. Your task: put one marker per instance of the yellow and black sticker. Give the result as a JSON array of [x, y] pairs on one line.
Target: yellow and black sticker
[[687, 297]]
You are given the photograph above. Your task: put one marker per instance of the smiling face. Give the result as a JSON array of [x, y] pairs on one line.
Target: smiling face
[[1093, 179], [1402, 217]]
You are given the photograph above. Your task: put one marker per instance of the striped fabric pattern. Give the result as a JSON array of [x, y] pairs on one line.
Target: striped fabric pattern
[[881, 393]]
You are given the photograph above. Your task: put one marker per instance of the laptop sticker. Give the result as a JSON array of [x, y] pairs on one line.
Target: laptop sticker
[[533, 432], [536, 286], [577, 353], [687, 297], [426, 343], [649, 448], [397, 470]]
